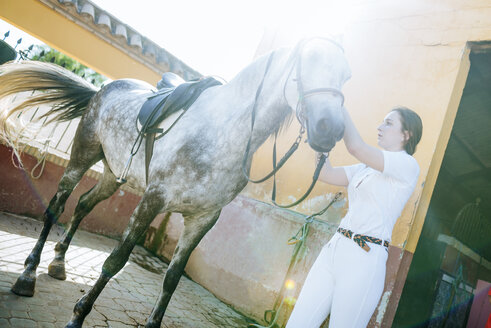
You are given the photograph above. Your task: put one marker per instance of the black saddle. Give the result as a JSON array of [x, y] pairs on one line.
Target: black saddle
[[174, 94], [169, 80]]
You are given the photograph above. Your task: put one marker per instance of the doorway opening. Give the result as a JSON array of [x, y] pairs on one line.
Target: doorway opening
[[451, 267]]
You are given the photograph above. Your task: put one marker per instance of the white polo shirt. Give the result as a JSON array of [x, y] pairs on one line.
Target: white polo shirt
[[376, 199]]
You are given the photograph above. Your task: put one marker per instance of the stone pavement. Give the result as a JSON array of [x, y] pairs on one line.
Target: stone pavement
[[127, 299]]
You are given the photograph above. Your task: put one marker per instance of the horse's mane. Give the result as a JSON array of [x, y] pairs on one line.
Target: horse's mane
[[289, 65], [285, 124]]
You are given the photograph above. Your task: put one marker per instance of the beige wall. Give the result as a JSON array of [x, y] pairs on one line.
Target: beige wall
[[410, 53], [65, 35]]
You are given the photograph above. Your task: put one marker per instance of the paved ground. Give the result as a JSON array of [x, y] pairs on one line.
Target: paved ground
[[125, 302]]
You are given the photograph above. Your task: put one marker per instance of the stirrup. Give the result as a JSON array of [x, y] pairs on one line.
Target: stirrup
[[122, 179]]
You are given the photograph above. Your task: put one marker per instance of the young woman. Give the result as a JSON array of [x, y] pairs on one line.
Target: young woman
[[347, 278]]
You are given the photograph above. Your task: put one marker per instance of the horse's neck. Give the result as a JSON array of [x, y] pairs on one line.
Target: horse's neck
[[271, 108]]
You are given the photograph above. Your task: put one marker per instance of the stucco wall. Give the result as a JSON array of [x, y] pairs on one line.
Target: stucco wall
[[21, 194], [409, 53], [245, 257]]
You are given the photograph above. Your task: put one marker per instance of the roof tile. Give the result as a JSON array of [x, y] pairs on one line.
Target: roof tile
[[111, 29]]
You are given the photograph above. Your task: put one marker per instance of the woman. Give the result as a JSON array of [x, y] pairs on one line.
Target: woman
[[347, 278]]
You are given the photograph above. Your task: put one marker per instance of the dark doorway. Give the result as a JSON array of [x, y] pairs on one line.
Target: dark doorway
[[454, 249]]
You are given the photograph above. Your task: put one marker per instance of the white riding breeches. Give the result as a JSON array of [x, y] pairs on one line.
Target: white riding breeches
[[345, 281]]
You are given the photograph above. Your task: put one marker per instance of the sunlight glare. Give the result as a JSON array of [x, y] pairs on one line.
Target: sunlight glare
[[312, 18], [290, 284]]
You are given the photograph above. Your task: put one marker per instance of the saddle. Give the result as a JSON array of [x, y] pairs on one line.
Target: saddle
[[174, 94]]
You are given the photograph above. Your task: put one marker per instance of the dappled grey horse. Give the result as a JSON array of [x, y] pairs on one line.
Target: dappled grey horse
[[196, 167]]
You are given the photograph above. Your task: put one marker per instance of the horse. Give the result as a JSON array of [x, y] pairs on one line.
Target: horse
[[196, 167]]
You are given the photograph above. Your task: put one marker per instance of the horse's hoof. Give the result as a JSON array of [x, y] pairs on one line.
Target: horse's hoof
[[56, 269], [152, 324], [24, 286], [72, 324]]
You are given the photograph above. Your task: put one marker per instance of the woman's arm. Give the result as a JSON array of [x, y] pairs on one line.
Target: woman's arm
[[333, 175], [365, 153]]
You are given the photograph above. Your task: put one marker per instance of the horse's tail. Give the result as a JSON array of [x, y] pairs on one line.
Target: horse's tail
[[66, 92]]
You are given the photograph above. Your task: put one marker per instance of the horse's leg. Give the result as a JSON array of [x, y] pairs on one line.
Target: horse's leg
[[85, 152], [148, 208], [106, 186], [24, 285], [194, 230]]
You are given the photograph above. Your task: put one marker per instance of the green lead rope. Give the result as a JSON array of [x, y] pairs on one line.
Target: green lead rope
[[299, 239]]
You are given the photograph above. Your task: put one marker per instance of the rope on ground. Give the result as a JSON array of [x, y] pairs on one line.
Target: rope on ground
[[299, 239]]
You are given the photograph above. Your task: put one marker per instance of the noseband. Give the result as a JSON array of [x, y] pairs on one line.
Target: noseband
[[301, 118]]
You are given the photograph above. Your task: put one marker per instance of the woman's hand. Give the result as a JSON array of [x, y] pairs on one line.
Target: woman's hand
[[332, 175], [365, 153]]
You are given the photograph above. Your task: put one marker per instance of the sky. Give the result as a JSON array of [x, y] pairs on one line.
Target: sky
[[14, 35], [220, 37]]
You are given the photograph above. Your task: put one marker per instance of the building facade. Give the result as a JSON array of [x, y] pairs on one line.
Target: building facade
[[432, 57]]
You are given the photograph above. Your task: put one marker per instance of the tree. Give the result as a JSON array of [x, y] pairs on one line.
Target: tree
[[47, 54]]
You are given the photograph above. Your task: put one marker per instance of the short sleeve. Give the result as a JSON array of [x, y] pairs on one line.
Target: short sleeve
[[351, 170], [401, 166]]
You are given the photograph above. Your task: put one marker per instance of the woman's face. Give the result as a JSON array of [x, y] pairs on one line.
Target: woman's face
[[390, 135]]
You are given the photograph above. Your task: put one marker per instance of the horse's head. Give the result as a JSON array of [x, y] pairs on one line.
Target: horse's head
[[321, 71]]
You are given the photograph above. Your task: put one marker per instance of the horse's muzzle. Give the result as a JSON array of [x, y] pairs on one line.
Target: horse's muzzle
[[322, 148], [323, 135]]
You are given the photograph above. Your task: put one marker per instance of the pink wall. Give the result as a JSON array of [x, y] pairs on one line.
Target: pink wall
[[244, 258], [481, 306], [21, 194]]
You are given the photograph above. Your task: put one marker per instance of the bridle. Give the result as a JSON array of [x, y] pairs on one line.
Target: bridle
[[302, 94], [299, 111]]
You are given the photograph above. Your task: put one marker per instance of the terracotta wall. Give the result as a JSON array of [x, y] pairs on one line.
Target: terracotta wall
[[21, 194]]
